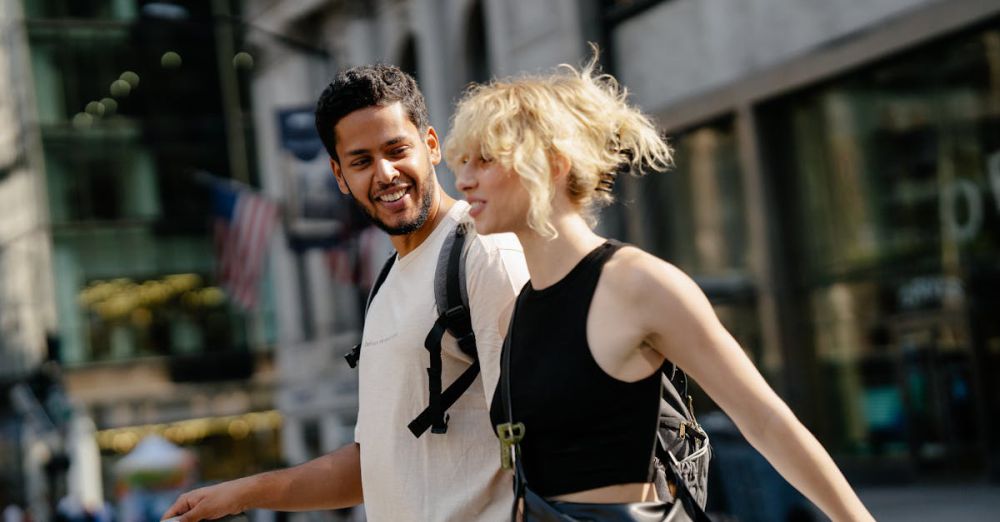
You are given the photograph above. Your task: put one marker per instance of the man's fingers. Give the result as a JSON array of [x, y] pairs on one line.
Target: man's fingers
[[188, 516], [174, 510], [196, 514], [181, 506], [200, 504]]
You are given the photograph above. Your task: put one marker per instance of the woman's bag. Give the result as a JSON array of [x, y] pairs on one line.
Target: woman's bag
[[681, 441]]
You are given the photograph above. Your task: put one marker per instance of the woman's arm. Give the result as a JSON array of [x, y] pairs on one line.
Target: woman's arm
[[680, 324]]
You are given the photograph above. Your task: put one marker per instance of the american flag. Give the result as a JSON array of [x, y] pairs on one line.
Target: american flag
[[243, 224], [351, 262]]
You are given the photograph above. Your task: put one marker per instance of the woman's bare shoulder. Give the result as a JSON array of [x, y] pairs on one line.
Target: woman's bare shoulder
[[637, 275]]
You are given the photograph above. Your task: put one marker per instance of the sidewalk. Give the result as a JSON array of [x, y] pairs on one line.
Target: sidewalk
[[952, 503]]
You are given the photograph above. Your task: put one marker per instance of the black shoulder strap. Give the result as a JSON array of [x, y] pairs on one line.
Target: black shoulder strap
[[354, 356], [450, 293], [384, 273], [454, 317], [511, 445]]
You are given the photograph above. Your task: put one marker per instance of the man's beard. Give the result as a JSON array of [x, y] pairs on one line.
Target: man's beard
[[426, 200]]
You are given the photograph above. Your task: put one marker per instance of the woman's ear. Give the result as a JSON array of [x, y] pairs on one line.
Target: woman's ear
[[561, 165]]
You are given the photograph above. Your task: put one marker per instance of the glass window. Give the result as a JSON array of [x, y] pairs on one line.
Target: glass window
[[408, 58], [126, 130], [83, 9], [477, 57], [11, 472], [889, 188], [694, 214], [173, 314]]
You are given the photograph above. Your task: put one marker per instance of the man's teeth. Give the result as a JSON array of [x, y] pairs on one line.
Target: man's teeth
[[476, 204], [393, 196]]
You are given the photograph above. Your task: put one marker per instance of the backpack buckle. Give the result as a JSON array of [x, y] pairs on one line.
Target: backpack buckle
[[467, 343], [459, 318], [441, 426], [456, 313], [352, 357]]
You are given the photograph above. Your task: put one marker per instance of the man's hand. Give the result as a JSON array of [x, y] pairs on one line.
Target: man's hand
[[210, 503], [331, 481]]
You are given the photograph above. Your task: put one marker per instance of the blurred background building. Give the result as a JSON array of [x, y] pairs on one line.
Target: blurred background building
[[106, 243], [837, 195]]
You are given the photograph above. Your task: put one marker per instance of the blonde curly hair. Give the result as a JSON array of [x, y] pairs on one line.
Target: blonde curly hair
[[525, 123]]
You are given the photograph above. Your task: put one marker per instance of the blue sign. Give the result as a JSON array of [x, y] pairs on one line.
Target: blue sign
[[297, 128]]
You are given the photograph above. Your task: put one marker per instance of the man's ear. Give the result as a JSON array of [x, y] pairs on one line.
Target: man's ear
[[339, 175], [433, 145]]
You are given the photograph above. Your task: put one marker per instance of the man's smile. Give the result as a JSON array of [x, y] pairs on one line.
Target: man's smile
[[393, 198]]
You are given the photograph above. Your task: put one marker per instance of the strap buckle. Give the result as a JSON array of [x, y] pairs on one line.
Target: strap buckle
[[510, 434], [441, 425], [456, 313], [458, 319], [352, 357], [690, 429], [467, 343]]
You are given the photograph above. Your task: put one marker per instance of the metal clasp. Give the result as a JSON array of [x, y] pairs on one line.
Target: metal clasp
[[510, 435]]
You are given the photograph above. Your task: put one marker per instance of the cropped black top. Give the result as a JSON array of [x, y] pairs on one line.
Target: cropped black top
[[584, 429]]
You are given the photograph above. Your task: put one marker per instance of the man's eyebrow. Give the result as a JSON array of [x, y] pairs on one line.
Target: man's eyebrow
[[389, 143], [394, 141]]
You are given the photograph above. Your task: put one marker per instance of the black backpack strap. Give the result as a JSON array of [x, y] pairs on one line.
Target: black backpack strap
[[450, 292], [354, 356], [447, 399], [454, 317]]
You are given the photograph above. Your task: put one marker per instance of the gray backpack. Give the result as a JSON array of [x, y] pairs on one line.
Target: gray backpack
[[683, 450]]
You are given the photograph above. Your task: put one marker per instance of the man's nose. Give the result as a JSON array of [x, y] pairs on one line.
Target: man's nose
[[385, 171]]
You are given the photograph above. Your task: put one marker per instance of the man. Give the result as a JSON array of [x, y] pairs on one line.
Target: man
[[374, 124]]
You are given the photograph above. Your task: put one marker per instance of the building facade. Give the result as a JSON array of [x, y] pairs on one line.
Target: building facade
[[112, 116], [26, 304]]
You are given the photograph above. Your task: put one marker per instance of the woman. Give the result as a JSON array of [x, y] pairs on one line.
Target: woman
[[597, 321]]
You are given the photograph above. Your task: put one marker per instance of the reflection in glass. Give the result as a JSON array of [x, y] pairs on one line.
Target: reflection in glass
[[693, 217], [124, 131], [892, 212], [176, 313], [695, 213]]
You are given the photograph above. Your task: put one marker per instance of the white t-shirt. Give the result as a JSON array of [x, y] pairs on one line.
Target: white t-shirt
[[438, 477]]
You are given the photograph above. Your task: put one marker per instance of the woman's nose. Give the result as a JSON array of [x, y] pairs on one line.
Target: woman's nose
[[464, 179]]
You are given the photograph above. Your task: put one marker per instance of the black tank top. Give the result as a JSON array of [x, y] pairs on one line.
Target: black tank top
[[583, 428]]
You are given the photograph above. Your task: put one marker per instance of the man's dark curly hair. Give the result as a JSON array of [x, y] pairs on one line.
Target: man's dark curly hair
[[367, 86]]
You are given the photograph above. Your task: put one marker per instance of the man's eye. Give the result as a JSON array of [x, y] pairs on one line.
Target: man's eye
[[359, 163], [398, 151]]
